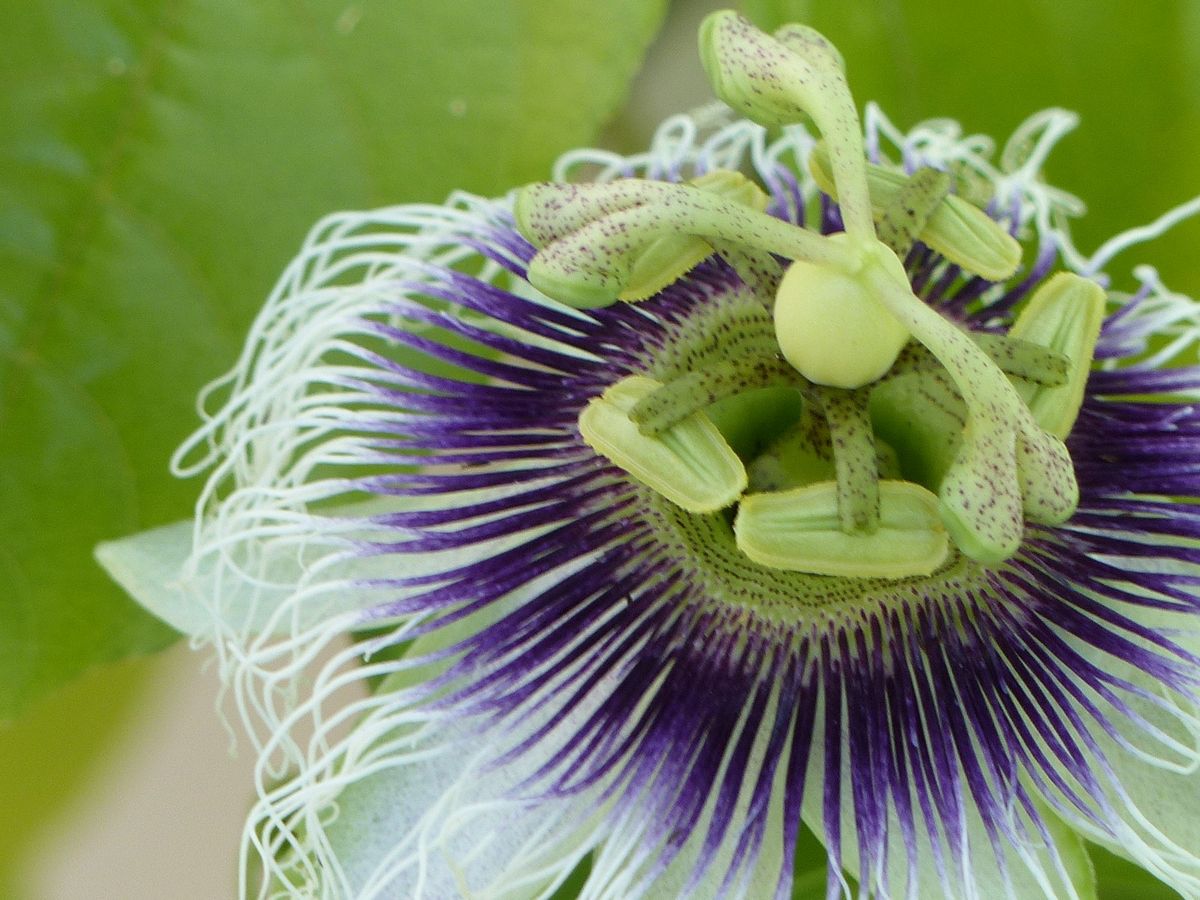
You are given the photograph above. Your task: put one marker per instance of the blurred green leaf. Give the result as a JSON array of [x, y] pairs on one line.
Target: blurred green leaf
[[1120, 879], [159, 163], [1131, 71], [47, 756]]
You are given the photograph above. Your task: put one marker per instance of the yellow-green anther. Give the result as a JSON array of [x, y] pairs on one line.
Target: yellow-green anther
[[800, 531], [662, 262], [731, 185], [1064, 315], [678, 399], [690, 464], [594, 264], [962, 233], [903, 220], [853, 443], [829, 323], [783, 82], [984, 495]]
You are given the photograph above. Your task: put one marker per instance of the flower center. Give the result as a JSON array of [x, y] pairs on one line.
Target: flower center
[[904, 436]]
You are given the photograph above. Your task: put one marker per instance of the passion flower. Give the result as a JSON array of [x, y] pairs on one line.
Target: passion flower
[[788, 476]]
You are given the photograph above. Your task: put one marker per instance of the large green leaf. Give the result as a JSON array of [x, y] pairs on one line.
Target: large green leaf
[[1120, 879], [1132, 71], [160, 161], [47, 757]]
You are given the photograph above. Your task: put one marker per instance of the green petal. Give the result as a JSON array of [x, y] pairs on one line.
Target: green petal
[[155, 568], [149, 565]]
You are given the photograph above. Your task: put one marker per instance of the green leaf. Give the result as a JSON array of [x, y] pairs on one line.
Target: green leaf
[[48, 756], [1120, 879], [160, 163], [1134, 79]]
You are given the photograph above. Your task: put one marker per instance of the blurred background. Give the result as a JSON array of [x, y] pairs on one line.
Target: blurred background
[[161, 160]]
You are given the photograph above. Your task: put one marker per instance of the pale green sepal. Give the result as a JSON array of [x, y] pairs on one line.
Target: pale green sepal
[[156, 569], [149, 566], [258, 575], [961, 232], [800, 531], [690, 463], [1065, 315], [1073, 852], [830, 325]]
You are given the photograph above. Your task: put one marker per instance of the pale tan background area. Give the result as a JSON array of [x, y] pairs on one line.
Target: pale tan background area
[[161, 815]]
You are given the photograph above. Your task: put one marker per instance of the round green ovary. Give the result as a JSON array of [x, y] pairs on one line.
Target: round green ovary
[[831, 328]]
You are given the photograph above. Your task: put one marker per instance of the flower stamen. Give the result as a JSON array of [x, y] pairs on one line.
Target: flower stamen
[[1064, 315], [689, 463]]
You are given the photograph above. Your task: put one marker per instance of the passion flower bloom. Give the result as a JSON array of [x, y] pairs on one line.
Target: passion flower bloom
[[777, 480]]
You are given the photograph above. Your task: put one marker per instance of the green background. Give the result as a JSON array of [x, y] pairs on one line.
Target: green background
[[161, 160]]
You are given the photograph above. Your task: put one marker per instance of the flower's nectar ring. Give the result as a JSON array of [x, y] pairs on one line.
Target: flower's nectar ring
[[844, 311]]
